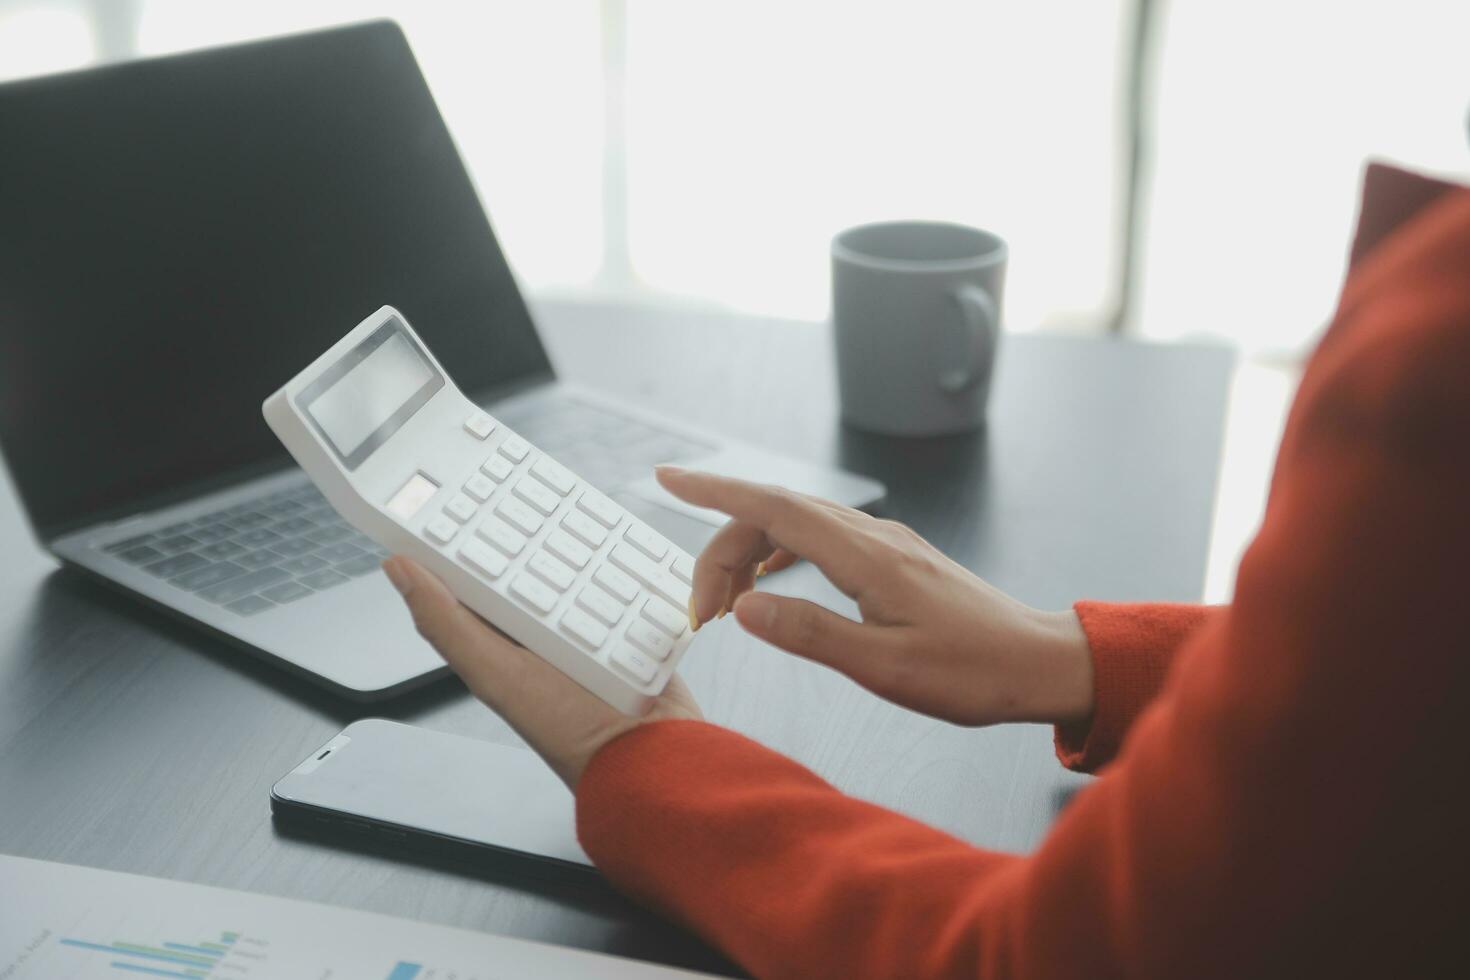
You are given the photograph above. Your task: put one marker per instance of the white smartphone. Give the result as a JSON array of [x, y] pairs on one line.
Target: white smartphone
[[391, 786]]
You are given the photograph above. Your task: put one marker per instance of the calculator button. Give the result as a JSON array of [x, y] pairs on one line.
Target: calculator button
[[483, 557], [585, 528], [634, 664], [616, 582], [607, 513], [479, 425], [683, 569], [533, 592], [441, 529], [600, 604], [496, 468], [519, 515], [554, 475], [584, 627], [536, 494], [647, 541], [645, 571], [503, 536], [650, 639], [514, 448], [568, 549], [479, 488], [665, 616], [461, 508], [553, 572]]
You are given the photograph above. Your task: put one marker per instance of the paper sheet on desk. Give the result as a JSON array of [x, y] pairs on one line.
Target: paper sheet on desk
[[61, 920]]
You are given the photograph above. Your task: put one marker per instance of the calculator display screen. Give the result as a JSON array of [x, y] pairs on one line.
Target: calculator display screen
[[359, 402]]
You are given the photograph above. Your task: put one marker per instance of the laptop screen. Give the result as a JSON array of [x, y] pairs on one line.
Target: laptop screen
[[182, 235]]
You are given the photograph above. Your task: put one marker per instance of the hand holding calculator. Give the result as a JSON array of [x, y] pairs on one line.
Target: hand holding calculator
[[404, 456]]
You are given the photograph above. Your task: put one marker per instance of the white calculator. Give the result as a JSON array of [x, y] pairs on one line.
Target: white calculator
[[411, 462]]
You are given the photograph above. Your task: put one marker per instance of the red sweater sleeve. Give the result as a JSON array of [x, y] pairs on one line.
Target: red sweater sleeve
[[1132, 646], [1290, 804]]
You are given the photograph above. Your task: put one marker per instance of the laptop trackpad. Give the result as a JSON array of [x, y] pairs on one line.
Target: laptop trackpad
[[685, 531]]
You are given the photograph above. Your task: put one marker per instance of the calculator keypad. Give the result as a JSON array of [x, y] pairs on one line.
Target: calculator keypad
[[584, 627], [534, 592], [641, 668], [479, 425], [600, 604], [616, 582], [503, 536], [535, 493], [567, 553], [650, 639], [497, 468], [665, 616], [519, 515], [514, 448], [568, 549]]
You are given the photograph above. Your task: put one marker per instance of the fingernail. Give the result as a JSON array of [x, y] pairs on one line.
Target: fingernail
[[693, 619], [721, 614], [760, 569], [670, 469], [400, 577], [760, 611]]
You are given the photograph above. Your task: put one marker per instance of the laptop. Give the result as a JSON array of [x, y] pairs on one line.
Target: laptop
[[181, 235]]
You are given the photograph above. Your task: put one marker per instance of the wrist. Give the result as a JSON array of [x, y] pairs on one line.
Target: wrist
[[1065, 668]]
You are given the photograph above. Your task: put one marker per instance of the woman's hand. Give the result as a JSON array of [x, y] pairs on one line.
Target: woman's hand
[[933, 638], [561, 720]]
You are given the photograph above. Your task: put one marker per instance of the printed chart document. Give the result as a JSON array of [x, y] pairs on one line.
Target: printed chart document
[[64, 922]]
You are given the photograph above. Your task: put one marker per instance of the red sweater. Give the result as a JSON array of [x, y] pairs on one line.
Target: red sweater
[[1279, 794]]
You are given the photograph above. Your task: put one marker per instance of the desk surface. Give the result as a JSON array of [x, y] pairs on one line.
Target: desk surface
[[128, 741]]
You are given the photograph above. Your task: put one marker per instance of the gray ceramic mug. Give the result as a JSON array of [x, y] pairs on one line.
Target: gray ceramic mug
[[916, 321]]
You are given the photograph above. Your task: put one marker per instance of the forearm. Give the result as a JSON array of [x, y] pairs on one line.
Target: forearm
[[760, 856]]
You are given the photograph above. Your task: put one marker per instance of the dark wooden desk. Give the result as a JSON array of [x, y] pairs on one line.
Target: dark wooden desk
[[128, 741]]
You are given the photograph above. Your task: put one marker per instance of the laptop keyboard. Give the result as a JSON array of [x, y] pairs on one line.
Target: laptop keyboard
[[607, 449], [251, 557], [289, 544]]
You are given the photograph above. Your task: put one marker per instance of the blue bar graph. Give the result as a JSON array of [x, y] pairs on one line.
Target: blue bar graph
[[405, 971], [192, 961]]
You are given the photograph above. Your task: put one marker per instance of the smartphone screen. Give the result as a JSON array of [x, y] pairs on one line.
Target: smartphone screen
[[423, 787]]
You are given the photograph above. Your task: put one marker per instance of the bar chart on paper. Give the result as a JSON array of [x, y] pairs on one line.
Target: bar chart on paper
[[227, 953], [64, 922]]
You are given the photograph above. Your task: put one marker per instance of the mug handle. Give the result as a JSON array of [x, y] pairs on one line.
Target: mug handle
[[981, 327]]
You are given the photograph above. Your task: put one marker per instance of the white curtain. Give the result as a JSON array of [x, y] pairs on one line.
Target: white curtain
[[703, 153]]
